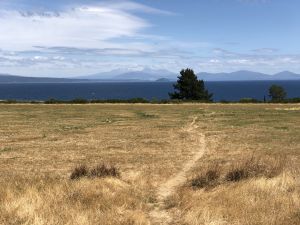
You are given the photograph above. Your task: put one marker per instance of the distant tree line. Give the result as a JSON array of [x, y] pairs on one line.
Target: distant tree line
[[142, 100]]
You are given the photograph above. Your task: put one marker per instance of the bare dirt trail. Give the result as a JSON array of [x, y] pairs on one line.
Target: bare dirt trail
[[159, 214]]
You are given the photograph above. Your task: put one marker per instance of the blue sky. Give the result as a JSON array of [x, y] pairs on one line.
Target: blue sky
[[65, 38]]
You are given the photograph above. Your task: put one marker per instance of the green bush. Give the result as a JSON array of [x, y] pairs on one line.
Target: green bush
[[79, 101], [132, 100], [223, 101], [9, 101], [53, 101]]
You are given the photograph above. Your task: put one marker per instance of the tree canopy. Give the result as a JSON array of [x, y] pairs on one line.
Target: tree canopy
[[188, 87], [277, 93]]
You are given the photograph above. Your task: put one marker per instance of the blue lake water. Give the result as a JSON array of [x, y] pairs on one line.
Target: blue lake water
[[231, 90]]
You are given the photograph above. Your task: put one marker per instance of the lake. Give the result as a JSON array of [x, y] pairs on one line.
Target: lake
[[230, 90]]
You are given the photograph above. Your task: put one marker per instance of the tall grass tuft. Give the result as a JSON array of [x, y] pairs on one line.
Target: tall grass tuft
[[208, 179], [78, 172], [213, 176], [255, 167], [99, 171], [104, 171]]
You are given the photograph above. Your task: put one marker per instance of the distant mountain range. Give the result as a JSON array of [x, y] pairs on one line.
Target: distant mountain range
[[151, 75], [146, 74], [244, 75], [158, 75], [7, 78]]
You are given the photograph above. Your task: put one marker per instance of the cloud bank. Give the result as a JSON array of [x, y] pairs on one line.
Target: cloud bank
[[81, 27], [81, 37]]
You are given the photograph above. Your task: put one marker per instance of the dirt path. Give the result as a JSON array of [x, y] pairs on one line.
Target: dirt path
[[159, 214]]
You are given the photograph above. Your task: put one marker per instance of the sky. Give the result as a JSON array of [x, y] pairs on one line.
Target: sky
[[67, 38]]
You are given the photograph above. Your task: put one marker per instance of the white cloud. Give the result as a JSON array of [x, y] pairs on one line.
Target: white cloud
[[81, 27], [227, 61], [40, 58], [265, 50], [133, 6]]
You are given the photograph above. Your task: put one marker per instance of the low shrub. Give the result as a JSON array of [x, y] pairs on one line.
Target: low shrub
[[255, 167], [292, 100], [9, 101], [137, 100], [104, 171], [36, 102], [115, 101], [79, 172], [99, 171], [53, 101], [268, 167], [79, 101], [223, 101], [209, 179], [237, 174], [249, 100], [163, 101]]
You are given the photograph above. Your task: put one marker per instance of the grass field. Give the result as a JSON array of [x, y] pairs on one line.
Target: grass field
[[212, 164]]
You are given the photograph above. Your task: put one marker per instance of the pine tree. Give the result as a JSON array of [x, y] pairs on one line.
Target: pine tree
[[188, 87]]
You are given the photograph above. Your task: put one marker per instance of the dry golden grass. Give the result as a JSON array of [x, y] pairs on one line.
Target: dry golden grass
[[260, 193], [54, 201], [256, 158], [40, 145]]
